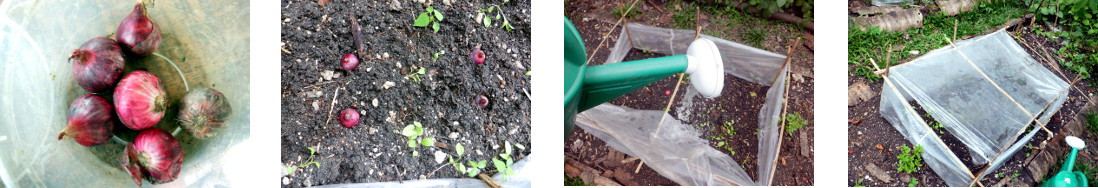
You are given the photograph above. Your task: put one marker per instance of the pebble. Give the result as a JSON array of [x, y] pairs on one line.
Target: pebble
[[388, 84], [327, 74], [374, 102], [316, 106], [285, 180], [447, 2], [385, 55], [439, 157], [480, 17], [394, 5], [914, 52], [454, 135]]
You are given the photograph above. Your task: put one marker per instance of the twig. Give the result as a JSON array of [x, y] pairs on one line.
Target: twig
[[436, 169], [785, 107], [286, 51], [332, 105], [606, 36], [488, 180]]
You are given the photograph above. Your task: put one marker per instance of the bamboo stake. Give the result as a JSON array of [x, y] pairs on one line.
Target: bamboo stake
[[785, 105]]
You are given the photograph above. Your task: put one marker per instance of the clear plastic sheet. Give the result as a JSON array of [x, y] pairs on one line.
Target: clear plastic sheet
[[891, 3], [959, 96], [522, 178], [745, 62], [678, 152], [36, 87]]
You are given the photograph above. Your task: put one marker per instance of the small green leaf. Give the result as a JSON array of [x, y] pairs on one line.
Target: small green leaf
[[527, 72], [290, 169], [520, 146], [409, 131], [460, 150], [474, 172], [311, 151], [487, 22], [431, 9], [422, 20], [507, 25], [316, 163], [411, 143], [415, 153], [482, 164], [422, 71], [438, 15], [507, 144], [428, 141], [491, 8], [719, 144], [451, 159], [497, 16], [461, 167], [499, 164], [435, 26], [473, 164], [510, 162]]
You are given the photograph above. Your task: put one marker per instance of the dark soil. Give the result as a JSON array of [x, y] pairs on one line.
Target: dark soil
[[739, 106], [316, 37], [874, 140]]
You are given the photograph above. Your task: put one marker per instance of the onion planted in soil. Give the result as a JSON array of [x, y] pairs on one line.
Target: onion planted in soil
[[140, 100], [91, 121], [203, 112], [154, 155], [97, 65], [349, 62], [481, 101], [348, 117], [139, 33], [477, 56]]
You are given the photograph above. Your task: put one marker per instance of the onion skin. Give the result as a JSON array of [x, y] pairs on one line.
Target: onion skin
[[348, 117], [131, 165], [360, 40], [91, 121], [349, 62], [203, 112], [97, 64], [139, 33], [158, 154], [477, 56], [140, 100]]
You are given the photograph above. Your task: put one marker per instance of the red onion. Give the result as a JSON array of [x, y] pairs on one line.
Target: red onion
[[140, 100], [481, 101], [348, 117], [139, 33], [155, 156], [91, 121], [97, 65], [203, 112], [349, 62], [477, 56]]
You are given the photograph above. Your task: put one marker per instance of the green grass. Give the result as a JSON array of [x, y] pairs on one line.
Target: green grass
[[1092, 122], [910, 160], [874, 43], [794, 122], [574, 182]]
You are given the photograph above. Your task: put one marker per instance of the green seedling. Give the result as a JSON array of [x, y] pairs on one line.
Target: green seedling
[[413, 132], [415, 74], [793, 122], [312, 151], [504, 166], [440, 52], [431, 17], [913, 182], [487, 20], [910, 160], [473, 169]]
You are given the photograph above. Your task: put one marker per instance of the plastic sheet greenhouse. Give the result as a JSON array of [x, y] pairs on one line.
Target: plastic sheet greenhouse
[[987, 91]]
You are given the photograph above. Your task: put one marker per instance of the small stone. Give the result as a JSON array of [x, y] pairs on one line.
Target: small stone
[[375, 102], [454, 135], [877, 172], [447, 2], [914, 52], [327, 74], [385, 55], [337, 74], [480, 17], [439, 157], [316, 105], [388, 84], [285, 180], [394, 5], [798, 77], [362, 112]]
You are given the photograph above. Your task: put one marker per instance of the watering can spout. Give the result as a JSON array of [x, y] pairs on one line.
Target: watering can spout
[[702, 62]]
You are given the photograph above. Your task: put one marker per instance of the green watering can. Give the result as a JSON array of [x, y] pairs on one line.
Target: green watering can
[[1066, 177], [586, 87]]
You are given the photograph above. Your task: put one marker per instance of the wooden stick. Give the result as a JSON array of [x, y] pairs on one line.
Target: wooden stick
[[604, 37], [627, 33], [489, 181], [785, 105]]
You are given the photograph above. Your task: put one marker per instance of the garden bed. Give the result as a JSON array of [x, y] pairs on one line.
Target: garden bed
[[389, 93]]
